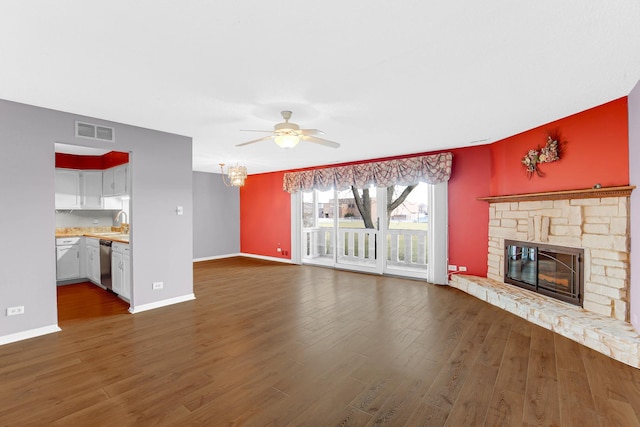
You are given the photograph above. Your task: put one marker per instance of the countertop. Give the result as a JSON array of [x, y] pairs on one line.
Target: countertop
[[118, 237], [115, 234]]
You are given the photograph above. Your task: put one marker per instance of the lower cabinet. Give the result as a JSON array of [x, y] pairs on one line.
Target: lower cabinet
[[93, 259], [121, 269], [67, 258]]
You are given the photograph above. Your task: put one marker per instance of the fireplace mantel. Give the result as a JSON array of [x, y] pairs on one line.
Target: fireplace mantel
[[589, 193]]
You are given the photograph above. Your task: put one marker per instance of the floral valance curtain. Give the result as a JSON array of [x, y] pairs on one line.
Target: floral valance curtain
[[431, 169]]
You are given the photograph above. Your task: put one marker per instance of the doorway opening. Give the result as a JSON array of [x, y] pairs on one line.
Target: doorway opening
[[93, 211]]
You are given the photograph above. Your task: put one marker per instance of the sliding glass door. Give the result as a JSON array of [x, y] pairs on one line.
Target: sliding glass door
[[375, 230]]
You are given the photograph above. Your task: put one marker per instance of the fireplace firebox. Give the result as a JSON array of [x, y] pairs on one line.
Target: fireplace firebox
[[555, 271]]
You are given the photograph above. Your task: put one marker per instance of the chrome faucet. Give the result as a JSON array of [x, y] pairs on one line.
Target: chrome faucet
[[124, 215]]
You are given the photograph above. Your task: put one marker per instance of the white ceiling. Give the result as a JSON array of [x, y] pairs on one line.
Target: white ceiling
[[380, 77]]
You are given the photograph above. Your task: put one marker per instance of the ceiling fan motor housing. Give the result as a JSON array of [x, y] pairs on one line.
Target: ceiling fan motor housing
[[284, 127]]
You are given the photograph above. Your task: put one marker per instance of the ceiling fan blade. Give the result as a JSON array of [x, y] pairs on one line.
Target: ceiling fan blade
[[253, 141], [311, 132], [321, 141]]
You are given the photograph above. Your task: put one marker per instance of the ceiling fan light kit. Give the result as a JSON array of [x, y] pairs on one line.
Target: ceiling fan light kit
[[288, 135], [287, 140]]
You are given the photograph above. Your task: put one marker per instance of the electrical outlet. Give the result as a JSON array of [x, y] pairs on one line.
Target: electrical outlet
[[95, 221], [158, 285], [462, 268], [453, 267], [12, 311]]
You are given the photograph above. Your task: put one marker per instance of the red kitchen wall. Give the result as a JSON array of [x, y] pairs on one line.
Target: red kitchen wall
[[73, 161], [114, 158], [265, 216], [596, 151], [106, 161]]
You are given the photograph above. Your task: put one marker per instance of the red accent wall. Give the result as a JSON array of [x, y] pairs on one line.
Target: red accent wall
[[265, 212], [106, 161], [596, 151], [265, 216], [468, 217]]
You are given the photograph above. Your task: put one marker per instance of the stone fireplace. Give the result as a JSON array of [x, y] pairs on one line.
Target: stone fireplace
[[594, 223]]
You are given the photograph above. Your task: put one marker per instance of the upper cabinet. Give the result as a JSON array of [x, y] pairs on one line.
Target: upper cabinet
[[90, 182], [86, 189], [67, 189], [78, 189], [91, 189], [115, 181]]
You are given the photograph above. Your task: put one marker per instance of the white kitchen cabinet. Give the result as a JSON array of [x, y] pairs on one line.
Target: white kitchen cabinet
[[126, 271], [91, 189], [121, 269], [107, 182], [120, 183], [67, 258], [115, 181], [67, 189], [77, 189], [116, 270], [93, 260]]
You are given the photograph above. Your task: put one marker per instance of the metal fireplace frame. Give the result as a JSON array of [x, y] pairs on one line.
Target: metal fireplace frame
[[576, 298]]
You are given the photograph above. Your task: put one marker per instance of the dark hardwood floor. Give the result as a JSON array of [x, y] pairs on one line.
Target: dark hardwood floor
[[269, 344]]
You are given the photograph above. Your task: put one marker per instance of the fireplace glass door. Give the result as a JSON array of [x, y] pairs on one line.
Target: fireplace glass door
[[550, 270]]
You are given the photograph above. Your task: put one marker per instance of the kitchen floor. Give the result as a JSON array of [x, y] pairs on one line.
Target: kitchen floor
[[84, 301]]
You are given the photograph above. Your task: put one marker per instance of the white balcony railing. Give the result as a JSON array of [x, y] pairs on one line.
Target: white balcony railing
[[405, 248]]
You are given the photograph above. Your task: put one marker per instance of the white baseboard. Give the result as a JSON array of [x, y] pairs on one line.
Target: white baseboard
[[268, 258], [31, 333], [209, 258], [163, 303]]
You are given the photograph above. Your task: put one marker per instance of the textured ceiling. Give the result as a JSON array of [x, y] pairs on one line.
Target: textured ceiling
[[381, 78]]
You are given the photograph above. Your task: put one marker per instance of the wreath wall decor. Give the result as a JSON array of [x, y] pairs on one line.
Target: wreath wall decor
[[547, 154]]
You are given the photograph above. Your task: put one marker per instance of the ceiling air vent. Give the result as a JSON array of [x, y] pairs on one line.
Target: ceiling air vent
[[88, 130]]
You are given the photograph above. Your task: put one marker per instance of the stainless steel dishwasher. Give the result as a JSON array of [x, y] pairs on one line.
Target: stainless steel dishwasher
[[105, 264]]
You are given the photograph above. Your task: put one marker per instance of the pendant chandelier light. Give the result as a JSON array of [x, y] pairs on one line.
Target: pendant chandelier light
[[235, 175]]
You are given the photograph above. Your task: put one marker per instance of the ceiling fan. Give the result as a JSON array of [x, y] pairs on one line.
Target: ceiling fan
[[288, 135]]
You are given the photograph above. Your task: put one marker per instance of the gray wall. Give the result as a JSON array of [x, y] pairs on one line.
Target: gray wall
[[634, 179], [216, 217], [162, 242]]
